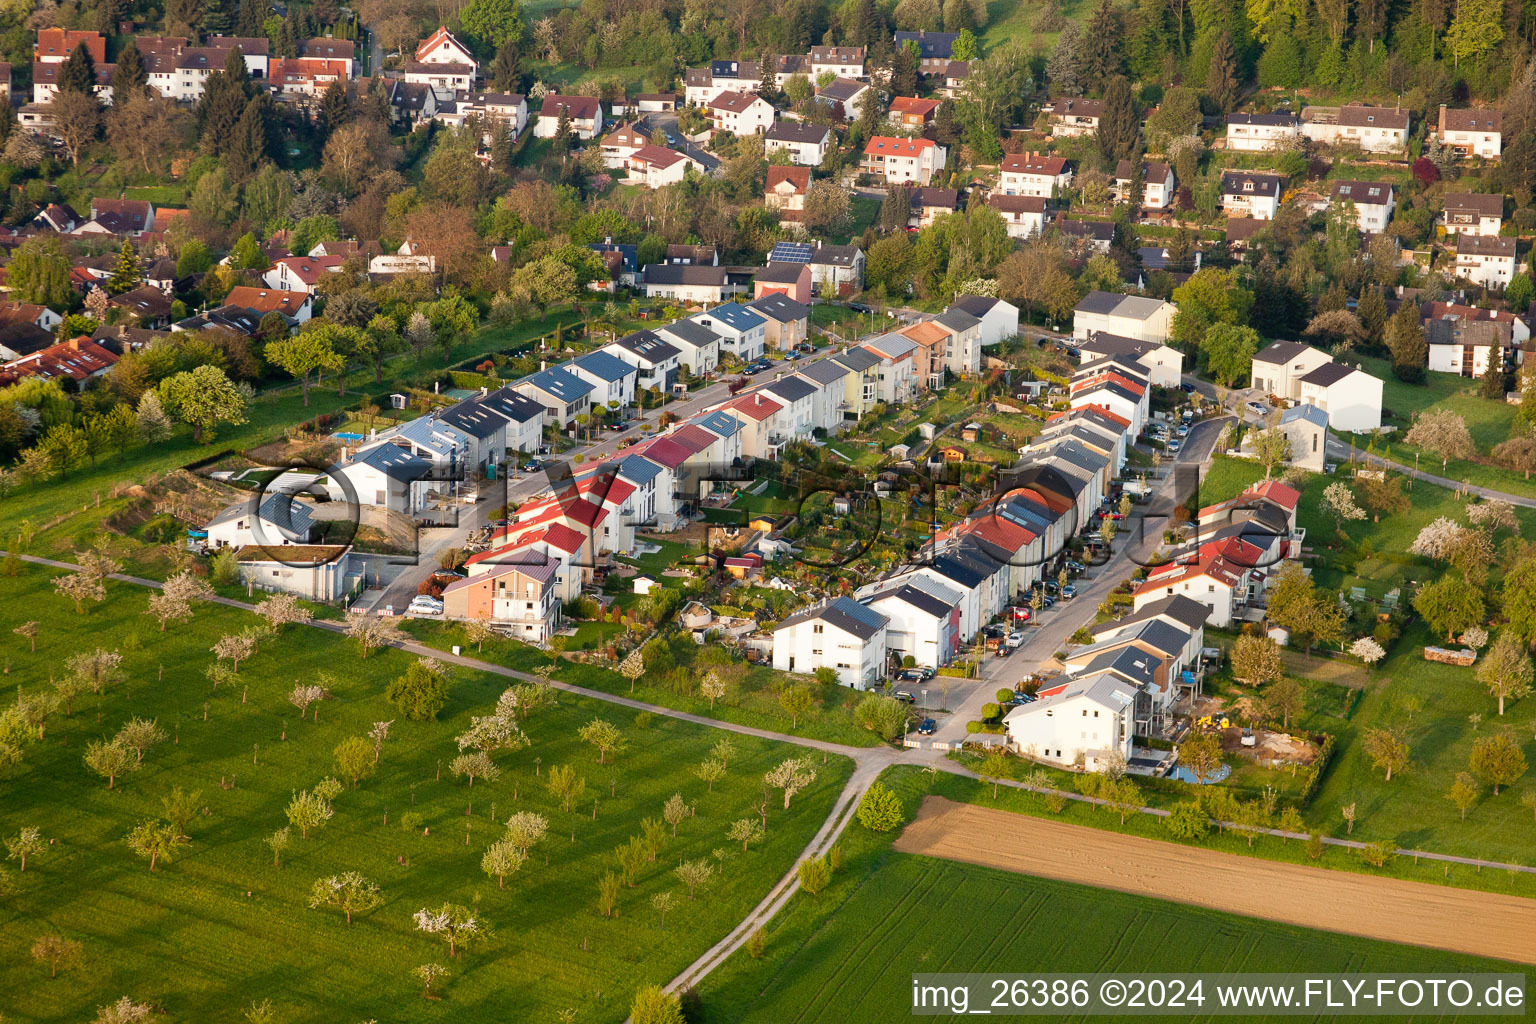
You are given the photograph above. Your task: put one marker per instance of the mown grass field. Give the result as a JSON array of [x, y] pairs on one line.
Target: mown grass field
[[848, 955], [220, 926]]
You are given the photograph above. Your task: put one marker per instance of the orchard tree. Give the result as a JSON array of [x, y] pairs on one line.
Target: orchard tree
[[602, 735], [1498, 759], [745, 830], [1256, 660], [633, 667], [303, 354], [203, 398], [791, 776], [1443, 433], [1463, 793], [354, 758], [796, 700], [422, 692], [1387, 749], [693, 874], [501, 859], [564, 785], [1339, 502], [180, 808], [880, 808], [81, 588], [710, 771], [1506, 669], [454, 924], [138, 735], [25, 844], [525, 829], [372, 631], [281, 609], [1201, 755], [173, 601], [349, 893], [53, 949], [235, 648], [109, 760], [473, 765], [308, 810], [279, 841], [155, 841]]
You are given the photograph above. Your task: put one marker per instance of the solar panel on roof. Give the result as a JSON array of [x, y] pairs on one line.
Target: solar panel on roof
[[790, 252]]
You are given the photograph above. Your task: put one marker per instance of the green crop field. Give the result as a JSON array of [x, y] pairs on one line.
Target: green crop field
[[848, 954], [219, 926]]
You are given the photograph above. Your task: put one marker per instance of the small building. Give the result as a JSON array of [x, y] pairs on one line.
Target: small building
[[999, 319], [317, 572], [1128, 316], [1024, 215], [1306, 427], [789, 279], [926, 205], [1372, 129], [583, 113], [273, 520], [739, 113], [805, 142], [1472, 213], [912, 112], [1088, 721], [1484, 260], [1157, 184], [520, 595], [1260, 133], [844, 97], [785, 191], [1071, 116], [1279, 368], [898, 161], [1374, 202], [684, 282], [1350, 396], [843, 635]]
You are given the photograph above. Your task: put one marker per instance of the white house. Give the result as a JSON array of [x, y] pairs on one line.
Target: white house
[[657, 362], [1034, 174], [1024, 215], [524, 417], [584, 113], [698, 346], [700, 85], [999, 319], [1087, 721], [1128, 316], [899, 160], [1256, 133], [278, 520], [443, 47], [685, 282], [743, 332], [1472, 132], [1306, 427], [797, 395], [386, 475], [962, 349], [1179, 611], [657, 166], [318, 572], [1251, 194], [842, 61], [1157, 184], [1472, 213], [1373, 129], [842, 635], [739, 113], [845, 97], [1073, 115], [1488, 261], [1464, 343], [612, 379], [1350, 396], [919, 625], [1164, 363], [1279, 367], [1374, 202], [562, 393], [806, 143]]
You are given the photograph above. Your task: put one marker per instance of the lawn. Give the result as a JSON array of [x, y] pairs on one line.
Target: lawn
[[848, 954], [219, 926], [68, 512]]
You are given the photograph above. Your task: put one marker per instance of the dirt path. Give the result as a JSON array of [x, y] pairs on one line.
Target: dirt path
[[1463, 920]]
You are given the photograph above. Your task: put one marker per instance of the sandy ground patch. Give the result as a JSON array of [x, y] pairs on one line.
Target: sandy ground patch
[[1484, 924]]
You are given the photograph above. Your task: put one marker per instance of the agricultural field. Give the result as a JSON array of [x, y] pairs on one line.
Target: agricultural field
[[848, 954], [217, 926]]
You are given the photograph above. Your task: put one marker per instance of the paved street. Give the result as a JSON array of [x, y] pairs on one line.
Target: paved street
[[1057, 624]]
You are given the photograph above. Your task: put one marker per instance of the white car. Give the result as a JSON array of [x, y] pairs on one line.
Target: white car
[[425, 604]]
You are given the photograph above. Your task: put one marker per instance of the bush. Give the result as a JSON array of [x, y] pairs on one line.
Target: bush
[[880, 810], [1187, 821], [225, 570], [419, 694], [1004, 695], [1315, 845]]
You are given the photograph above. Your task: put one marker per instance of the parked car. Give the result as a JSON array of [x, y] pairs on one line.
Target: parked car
[[1175, 447], [927, 673], [904, 697], [1259, 407], [859, 307], [1187, 387], [425, 604], [927, 728], [1069, 591], [1183, 430], [1074, 566], [531, 466], [1051, 587]]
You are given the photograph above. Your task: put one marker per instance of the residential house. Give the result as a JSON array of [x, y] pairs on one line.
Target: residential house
[[786, 190], [1279, 368], [743, 332], [1024, 215], [791, 279], [796, 420], [1485, 260], [1260, 133], [901, 373], [842, 61], [657, 166], [621, 143], [1157, 184], [935, 50], [296, 306], [613, 379], [1187, 615], [1472, 213], [563, 394], [836, 269], [700, 85], [1223, 585], [693, 255], [786, 321], [130, 217], [1519, 330], [1306, 427], [54, 45], [1465, 345], [999, 319], [1164, 363], [842, 635], [912, 112], [805, 142], [150, 305], [919, 625], [1034, 174], [1373, 129], [926, 205], [844, 97], [1350, 396], [828, 376], [1374, 202], [1471, 132], [524, 415], [928, 357], [1087, 235], [962, 347], [78, 359], [317, 572], [898, 161], [1114, 394], [657, 363], [1070, 116], [1088, 721], [1128, 316], [385, 475], [443, 47], [755, 412], [956, 75], [861, 387], [519, 596], [583, 113], [698, 347], [739, 113], [301, 273], [270, 520], [684, 282], [1251, 194]]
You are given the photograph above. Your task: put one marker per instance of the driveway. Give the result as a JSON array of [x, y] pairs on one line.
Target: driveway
[[1051, 631]]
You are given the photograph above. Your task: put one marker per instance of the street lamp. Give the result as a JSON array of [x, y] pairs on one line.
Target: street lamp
[[925, 698]]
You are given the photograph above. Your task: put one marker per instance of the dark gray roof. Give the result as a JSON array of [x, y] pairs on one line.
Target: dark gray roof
[[1281, 352], [930, 45], [1185, 610], [1104, 343], [976, 305], [639, 469], [605, 366], [780, 273], [796, 131], [914, 597], [473, 417], [560, 382], [1098, 302], [836, 255], [824, 371], [1232, 183], [959, 570], [683, 273], [858, 359], [846, 614], [792, 388], [1328, 374], [692, 332], [394, 462], [648, 346], [514, 405], [1130, 662], [276, 508], [957, 319], [780, 307]]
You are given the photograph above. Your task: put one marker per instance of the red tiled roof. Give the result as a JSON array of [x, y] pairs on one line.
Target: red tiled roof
[[266, 300], [754, 406], [1034, 163], [886, 145], [78, 358]]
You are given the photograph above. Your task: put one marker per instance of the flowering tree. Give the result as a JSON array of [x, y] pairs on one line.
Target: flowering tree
[[1339, 502], [1367, 650], [454, 924]]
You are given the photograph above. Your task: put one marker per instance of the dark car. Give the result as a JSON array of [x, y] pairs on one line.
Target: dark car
[[927, 728], [904, 697], [1069, 591], [859, 307], [1187, 387]]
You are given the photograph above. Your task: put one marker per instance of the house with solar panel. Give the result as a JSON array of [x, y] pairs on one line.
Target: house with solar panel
[[387, 476], [562, 393], [656, 362], [612, 379], [835, 269], [743, 332], [698, 347], [842, 635]]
